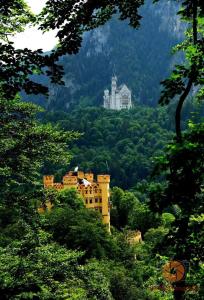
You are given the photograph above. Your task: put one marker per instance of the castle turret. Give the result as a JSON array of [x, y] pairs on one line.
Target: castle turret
[[106, 99], [89, 177], [113, 92], [80, 174], [114, 85], [104, 181], [48, 181]]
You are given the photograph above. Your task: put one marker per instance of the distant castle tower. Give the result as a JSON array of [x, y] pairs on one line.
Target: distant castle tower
[[119, 98]]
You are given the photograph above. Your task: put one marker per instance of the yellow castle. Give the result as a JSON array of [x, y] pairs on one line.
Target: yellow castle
[[94, 193]]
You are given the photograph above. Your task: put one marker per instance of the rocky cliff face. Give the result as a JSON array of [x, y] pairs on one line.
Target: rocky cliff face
[[140, 58]]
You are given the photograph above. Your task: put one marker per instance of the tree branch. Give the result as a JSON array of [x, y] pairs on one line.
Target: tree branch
[[190, 81], [179, 108]]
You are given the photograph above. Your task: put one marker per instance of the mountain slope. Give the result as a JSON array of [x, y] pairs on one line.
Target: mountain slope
[[120, 143], [140, 58]]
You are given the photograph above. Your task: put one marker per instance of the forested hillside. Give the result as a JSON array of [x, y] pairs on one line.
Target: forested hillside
[[56, 245], [122, 144]]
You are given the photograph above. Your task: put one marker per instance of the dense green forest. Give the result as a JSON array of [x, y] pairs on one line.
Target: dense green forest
[[154, 156], [122, 144]]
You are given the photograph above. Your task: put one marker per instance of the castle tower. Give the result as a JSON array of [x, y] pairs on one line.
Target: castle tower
[[80, 174], [114, 84], [48, 181], [106, 99], [113, 92], [104, 181]]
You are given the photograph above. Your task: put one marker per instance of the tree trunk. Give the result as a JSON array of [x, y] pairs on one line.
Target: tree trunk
[[179, 109], [190, 81]]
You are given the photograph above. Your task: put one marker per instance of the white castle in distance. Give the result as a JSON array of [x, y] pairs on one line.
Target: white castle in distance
[[119, 98]]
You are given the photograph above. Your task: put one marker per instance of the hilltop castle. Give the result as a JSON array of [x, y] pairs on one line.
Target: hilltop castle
[[119, 98], [94, 193]]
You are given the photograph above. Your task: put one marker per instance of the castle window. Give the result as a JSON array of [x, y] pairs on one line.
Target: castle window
[[100, 200], [86, 201], [86, 192], [90, 201], [96, 200], [100, 210]]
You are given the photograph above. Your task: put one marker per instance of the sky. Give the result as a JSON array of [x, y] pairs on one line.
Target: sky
[[33, 38]]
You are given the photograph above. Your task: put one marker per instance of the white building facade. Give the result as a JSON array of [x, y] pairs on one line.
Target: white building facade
[[119, 97]]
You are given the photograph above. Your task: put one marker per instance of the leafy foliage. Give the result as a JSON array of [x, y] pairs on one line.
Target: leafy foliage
[[83, 16], [17, 65], [190, 74], [14, 16], [49, 271], [37, 258], [182, 194], [25, 146]]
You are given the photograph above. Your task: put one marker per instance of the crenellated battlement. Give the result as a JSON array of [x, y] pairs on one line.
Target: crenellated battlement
[[103, 178], [69, 180]]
